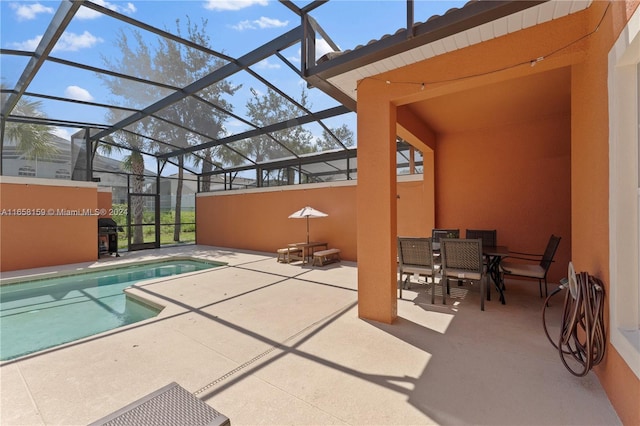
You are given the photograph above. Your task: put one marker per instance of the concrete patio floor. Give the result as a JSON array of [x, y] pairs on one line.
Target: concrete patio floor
[[281, 344]]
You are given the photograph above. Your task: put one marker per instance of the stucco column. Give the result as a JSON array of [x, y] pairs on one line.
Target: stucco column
[[376, 210]]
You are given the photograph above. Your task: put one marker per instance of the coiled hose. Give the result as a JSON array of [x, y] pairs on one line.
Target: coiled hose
[[582, 332]]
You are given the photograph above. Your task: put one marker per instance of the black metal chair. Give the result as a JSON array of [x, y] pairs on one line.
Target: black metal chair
[[415, 256], [438, 233], [462, 260], [531, 266], [489, 236]]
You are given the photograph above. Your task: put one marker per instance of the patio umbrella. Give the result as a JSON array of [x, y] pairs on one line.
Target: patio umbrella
[[306, 213]]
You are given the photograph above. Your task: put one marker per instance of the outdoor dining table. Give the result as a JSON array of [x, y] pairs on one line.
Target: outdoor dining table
[[494, 256], [308, 248]]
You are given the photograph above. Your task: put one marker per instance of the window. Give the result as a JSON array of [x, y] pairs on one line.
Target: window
[[624, 191], [26, 171], [63, 174]]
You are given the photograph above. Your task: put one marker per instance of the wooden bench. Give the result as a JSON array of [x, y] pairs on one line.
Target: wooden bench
[[289, 254], [324, 257]]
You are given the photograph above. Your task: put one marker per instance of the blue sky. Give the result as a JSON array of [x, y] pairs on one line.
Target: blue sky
[[235, 28]]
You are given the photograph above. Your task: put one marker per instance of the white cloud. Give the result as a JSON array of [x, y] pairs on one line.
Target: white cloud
[[78, 93], [62, 133], [29, 45], [243, 25], [266, 65], [28, 12], [261, 23], [73, 42], [265, 22], [69, 42], [86, 13], [232, 4]]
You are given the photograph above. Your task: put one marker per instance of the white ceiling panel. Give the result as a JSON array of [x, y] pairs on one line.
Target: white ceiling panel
[[474, 36], [418, 54], [514, 22], [501, 27], [402, 60], [563, 8], [486, 31], [578, 5], [438, 47], [385, 65], [461, 40], [530, 17], [546, 11], [450, 44]]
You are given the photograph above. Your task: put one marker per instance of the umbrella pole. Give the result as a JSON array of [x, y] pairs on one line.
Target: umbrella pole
[[307, 229]]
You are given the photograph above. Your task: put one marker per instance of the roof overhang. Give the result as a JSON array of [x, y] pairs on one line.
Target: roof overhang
[[338, 73]]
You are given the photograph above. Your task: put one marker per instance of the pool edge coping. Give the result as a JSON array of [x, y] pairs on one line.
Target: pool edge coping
[[98, 268]]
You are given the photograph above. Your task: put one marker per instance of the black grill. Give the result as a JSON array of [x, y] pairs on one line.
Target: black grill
[[108, 236]]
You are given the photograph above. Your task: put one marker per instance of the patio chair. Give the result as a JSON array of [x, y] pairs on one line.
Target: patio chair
[[462, 260], [531, 266], [438, 233], [415, 256], [489, 238]]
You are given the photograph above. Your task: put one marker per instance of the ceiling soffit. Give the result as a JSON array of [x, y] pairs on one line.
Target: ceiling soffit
[[513, 101]]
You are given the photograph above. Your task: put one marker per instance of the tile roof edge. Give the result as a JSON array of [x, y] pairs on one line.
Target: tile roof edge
[[454, 21]]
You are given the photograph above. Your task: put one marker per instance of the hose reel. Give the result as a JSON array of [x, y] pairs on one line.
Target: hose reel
[[582, 336]]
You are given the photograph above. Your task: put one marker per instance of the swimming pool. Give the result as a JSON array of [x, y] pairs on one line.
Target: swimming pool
[[41, 314]]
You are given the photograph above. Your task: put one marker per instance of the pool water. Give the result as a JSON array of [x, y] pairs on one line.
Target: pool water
[[44, 313]]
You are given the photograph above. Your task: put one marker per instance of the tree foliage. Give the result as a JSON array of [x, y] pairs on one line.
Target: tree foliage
[[200, 117], [33, 140], [264, 110], [171, 65], [328, 140], [175, 65]]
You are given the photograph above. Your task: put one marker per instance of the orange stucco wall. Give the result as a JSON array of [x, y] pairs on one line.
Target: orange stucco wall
[[258, 219], [46, 237], [105, 202], [590, 188], [415, 206], [526, 178], [520, 189]]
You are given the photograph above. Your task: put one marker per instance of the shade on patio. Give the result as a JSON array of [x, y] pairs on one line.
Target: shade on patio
[[306, 213]]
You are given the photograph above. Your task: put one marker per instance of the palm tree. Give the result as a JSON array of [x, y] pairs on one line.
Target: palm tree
[[133, 162], [33, 140]]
